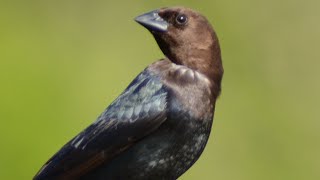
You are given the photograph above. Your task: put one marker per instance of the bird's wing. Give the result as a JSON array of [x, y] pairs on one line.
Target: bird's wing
[[138, 111]]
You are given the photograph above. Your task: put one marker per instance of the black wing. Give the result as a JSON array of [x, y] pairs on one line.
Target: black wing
[[139, 110]]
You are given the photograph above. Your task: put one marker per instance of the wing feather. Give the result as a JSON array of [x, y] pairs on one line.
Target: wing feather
[[138, 111]]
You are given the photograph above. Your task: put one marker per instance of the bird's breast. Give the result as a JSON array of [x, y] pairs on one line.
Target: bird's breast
[[190, 108]]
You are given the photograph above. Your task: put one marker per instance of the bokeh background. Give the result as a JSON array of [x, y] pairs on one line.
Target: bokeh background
[[62, 62]]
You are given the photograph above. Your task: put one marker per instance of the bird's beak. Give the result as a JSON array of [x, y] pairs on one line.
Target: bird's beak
[[152, 21]]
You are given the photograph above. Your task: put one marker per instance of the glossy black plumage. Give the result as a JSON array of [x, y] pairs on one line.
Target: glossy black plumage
[[158, 127]]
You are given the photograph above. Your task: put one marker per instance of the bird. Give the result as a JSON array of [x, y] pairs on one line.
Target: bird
[[160, 124]]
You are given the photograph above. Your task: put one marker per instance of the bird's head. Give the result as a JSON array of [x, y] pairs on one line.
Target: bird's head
[[186, 38]]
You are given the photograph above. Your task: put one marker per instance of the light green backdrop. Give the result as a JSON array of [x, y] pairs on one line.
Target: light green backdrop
[[63, 61]]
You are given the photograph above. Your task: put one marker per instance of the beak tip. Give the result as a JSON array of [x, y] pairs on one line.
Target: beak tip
[[137, 19]]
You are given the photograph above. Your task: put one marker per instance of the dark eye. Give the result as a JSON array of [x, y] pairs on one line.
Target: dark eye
[[181, 19]]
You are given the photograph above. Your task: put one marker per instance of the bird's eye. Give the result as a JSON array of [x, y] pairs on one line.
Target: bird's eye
[[181, 19]]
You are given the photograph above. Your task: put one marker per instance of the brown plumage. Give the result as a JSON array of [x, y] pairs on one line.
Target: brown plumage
[[194, 45], [158, 127]]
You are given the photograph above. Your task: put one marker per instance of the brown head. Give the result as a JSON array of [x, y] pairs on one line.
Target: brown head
[[186, 38]]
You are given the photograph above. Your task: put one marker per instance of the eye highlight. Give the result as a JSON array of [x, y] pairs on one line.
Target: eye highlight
[[181, 19]]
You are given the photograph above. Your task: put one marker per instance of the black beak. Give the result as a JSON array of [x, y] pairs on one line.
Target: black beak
[[152, 21]]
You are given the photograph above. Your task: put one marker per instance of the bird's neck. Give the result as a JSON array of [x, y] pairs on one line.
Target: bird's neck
[[205, 60]]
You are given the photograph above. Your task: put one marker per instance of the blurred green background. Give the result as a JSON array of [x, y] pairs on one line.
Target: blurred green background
[[62, 62]]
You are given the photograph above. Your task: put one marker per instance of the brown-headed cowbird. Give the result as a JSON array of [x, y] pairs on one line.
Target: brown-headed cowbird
[[158, 127]]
